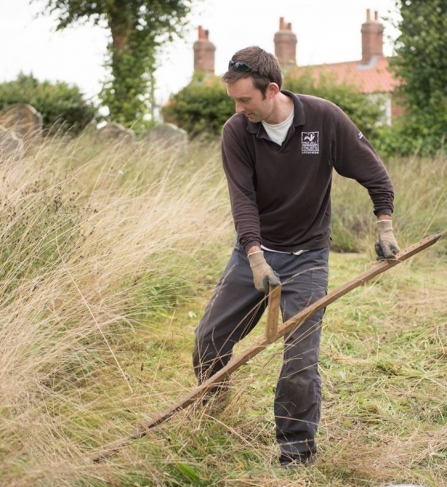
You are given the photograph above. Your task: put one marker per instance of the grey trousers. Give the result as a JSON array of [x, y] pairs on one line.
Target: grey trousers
[[234, 310]]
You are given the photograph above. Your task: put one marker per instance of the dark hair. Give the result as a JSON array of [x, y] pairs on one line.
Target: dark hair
[[264, 66]]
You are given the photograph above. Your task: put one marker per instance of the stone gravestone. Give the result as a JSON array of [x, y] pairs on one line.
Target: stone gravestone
[[167, 135], [11, 146], [24, 120], [115, 132]]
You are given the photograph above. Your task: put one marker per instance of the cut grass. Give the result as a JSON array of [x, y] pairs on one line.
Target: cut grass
[[372, 429]]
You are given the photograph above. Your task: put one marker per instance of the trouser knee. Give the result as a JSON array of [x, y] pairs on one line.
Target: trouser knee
[[208, 358]]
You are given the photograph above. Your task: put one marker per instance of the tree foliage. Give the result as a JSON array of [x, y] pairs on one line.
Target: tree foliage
[[63, 107], [421, 64], [137, 30]]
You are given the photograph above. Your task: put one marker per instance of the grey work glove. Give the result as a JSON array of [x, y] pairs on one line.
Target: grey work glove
[[386, 247], [263, 275]]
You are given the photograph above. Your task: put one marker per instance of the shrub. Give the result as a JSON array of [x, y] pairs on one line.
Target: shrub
[[63, 107], [201, 107], [366, 112]]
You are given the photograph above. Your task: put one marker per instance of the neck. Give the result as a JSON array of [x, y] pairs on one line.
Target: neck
[[281, 110]]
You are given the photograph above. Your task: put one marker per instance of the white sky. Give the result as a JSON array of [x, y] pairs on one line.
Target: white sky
[[327, 30]]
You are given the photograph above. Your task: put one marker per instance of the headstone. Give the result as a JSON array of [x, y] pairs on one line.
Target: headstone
[[115, 132], [11, 145], [167, 135], [24, 120]]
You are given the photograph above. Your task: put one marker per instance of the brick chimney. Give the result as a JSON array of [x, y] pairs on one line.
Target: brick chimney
[[204, 53], [285, 45], [372, 38]]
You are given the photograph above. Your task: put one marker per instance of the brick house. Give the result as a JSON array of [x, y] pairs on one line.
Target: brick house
[[371, 74]]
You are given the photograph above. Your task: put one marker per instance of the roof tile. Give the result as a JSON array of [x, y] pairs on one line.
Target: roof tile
[[374, 77]]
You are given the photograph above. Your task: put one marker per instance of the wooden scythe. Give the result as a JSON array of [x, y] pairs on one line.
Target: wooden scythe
[[273, 333]]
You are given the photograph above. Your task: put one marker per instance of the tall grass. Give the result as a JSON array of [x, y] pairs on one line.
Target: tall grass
[[420, 206], [95, 242], [109, 254]]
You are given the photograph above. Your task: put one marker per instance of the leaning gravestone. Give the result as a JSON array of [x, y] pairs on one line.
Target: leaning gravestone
[[11, 146], [167, 135], [115, 132], [24, 120]]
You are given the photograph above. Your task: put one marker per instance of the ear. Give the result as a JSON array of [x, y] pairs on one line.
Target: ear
[[272, 90]]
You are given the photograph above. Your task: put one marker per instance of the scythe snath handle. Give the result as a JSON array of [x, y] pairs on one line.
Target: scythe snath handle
[[274, 303], [273, 333]]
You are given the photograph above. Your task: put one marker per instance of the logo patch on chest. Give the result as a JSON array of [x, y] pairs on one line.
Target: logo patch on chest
[[310, 142]]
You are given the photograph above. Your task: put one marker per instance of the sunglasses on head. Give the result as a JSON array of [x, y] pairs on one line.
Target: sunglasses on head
[[241, 67]]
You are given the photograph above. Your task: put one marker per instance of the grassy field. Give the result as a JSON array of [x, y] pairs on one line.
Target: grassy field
[[109, 255]]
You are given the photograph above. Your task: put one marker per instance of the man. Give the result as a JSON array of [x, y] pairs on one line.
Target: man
[[278, 153]]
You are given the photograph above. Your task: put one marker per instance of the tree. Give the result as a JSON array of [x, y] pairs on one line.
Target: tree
[[137, 30], [421, 65]]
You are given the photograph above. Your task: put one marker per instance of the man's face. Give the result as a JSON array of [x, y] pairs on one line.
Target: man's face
[[250, 101]]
